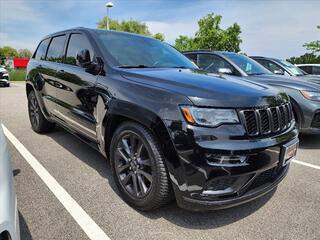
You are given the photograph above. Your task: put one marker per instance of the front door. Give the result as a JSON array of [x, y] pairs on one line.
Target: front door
[[76, 91]]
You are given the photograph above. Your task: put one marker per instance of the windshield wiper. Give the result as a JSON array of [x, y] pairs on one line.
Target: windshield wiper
[[133, 66]]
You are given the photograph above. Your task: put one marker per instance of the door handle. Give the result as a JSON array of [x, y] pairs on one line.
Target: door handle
[[61, 71]]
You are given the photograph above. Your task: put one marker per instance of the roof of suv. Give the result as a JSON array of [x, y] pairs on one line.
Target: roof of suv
[[91, 30]]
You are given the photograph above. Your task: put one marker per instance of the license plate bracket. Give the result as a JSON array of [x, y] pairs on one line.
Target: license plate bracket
[[289, 152]]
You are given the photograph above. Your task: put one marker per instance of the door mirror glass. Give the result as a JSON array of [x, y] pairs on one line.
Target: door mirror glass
[[278, 72], [224, 71], [83, 58]]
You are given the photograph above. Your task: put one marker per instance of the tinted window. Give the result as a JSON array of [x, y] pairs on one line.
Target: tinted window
[[269, 65], [213, 63], [133, 50], [248, 65], [307, 69], [316, 70], [192, 57], [42, 49], [55, 51], [77, 42]]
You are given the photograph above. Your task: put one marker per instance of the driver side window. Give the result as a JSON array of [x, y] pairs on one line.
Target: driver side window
[[213, 63], [77, 42]]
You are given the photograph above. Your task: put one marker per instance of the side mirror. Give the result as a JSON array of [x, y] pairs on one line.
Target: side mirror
[[83, 58], [278, 72], [224, 71]]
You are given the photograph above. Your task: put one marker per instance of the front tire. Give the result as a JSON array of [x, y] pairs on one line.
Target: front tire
[[38, 122], [138, 167]]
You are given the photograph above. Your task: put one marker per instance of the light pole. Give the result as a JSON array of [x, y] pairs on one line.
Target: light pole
[[108, 5]]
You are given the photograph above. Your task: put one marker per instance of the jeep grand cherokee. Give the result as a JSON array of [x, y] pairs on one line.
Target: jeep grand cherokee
[[169, 129]]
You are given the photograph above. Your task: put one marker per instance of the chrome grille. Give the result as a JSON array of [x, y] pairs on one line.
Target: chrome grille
[[267, 120]]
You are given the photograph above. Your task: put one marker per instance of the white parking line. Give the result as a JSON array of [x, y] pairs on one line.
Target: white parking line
[[306, 164], [18, 85], [93, 231]]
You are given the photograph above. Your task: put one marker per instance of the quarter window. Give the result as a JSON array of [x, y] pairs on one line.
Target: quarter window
[[42, 49], [77, 42], [55, 51]]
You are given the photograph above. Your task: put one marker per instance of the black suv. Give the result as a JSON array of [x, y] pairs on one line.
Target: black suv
[[168, 128]]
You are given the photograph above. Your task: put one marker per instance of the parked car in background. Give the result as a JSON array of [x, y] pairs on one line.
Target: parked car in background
[[4, 77], [304, 95], [282, 67], [313, 69], [168, 128], [9, 217]]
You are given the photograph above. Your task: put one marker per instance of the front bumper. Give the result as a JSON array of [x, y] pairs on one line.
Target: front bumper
[[200, 183]]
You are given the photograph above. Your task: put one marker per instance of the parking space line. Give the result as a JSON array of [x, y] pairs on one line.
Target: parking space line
[[306, 164], [18, 85], [93, 231]]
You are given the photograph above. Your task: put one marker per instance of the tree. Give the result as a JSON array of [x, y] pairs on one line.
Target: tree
[[211, 36], [313, 46], [131, 25], [9, 52], [306, 58], [24, 53], [184, 43]]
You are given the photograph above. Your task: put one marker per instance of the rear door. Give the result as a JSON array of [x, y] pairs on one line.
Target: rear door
[[76, 92], [44, 74]]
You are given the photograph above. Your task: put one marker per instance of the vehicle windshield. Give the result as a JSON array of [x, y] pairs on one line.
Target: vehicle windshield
[[291, 68], [133, 51], [248, 65]]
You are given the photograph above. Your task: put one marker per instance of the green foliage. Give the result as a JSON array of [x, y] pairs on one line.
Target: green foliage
[[306, 58], [159, 36], [313, 46], [17, 74], [184, 43], [9, 52], [211, 36], [24, 53], [132, 26]]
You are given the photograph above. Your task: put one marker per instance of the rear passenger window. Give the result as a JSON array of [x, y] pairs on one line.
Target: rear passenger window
[[42, 49], [77, 42], [55, 51]]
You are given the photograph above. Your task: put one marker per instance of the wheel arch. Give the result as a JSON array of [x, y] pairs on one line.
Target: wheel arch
[[121, 112], [297, 112]]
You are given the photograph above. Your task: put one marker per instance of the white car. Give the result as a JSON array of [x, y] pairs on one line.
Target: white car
[[9, 217], [4, 77], [313, 69]]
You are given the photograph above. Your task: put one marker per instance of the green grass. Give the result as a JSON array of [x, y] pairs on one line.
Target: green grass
[[17, 74]]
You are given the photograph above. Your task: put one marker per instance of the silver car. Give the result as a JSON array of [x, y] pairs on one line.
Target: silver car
[[9, 218]]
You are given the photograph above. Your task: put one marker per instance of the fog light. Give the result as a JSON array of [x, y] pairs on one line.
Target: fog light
[[225, 160]]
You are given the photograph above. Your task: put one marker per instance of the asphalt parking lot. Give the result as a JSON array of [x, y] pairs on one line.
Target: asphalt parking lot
[[290, 212]]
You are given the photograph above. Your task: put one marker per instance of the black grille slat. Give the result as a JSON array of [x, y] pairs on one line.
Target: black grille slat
[[267, 120], [251, 122]]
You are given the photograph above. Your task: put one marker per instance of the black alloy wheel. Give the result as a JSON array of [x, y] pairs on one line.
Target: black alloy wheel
[[138, 167], [133, 165]]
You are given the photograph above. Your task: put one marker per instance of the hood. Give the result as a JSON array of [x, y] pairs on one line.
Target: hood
[[297, 83], [311, 78], [205, 89]]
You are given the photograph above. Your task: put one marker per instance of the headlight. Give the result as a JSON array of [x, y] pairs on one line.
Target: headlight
[[209, 116], [313, 96]]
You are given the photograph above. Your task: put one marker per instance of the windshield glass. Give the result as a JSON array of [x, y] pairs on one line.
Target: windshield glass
[[291, 68], [248, 65], [136, 51]]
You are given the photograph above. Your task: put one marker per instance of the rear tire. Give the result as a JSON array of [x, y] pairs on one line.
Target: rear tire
[[138, 167], [38, 122]]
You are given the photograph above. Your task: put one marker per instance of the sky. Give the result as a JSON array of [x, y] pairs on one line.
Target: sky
[[273, 28]]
